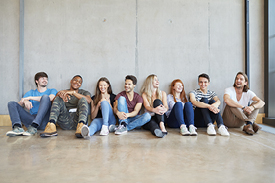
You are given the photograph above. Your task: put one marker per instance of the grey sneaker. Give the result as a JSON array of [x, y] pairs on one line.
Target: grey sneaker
[[121, 130], [112, 128], [15, 132], [85, 131], [31, 131]]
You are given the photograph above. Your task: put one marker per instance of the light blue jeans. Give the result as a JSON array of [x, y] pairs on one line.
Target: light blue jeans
[[108, 118], [132, 122]]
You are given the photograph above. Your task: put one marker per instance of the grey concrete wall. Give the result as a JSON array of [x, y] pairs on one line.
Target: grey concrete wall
[[9, 53], [171, 38]]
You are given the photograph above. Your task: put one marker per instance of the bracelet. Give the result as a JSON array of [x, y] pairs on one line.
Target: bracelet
[[243, 107], [254, 107]]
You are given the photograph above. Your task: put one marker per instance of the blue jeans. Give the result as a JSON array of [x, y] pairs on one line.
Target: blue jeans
[[18, 114], [132, 122], [108, 118], [203, 116], [181, 115]]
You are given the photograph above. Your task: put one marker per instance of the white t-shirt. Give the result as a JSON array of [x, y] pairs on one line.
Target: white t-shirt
[[246, 99]]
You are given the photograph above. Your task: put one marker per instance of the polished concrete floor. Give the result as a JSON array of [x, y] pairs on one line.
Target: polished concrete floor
[[138, 157]]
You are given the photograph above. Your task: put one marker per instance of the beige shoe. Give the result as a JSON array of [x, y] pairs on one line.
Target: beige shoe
[[78, 130], [50, 130]]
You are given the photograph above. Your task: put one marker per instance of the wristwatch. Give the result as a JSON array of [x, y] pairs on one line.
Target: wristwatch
[[243, 107]]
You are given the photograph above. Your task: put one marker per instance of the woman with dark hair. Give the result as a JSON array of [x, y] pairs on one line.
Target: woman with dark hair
[[155, 103], [102, 115], [180, 110]]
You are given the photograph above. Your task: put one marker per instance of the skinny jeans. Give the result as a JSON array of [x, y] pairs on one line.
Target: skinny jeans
[[203, 116], [108, 118], [181, 115]]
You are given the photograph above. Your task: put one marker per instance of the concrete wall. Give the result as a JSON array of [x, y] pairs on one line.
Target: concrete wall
[[171, 38]]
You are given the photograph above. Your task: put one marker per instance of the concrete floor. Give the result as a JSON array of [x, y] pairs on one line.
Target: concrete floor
[[138, 157]]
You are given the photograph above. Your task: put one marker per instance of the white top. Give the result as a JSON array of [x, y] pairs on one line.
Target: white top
[[246, 96], [171, 103]]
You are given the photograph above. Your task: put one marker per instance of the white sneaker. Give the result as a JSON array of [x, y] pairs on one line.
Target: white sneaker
[[192, 130], [104, 130], [184, 131], [85, 131], [223, 131], [211, 130]]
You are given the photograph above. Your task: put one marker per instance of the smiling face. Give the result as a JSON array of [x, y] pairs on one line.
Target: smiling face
[[203, 83], [42, 81], [76, 83], [240, 81], [155, 82], [103, 87], [129, 86], [178, 87]]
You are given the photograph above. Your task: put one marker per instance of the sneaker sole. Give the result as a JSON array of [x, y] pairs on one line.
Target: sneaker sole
[[27, 134], [185, 134], [158, 133], [48, 135], [14, 134], [78, 135], [193, 134], [120, 133], [85, 132], [212, 134]]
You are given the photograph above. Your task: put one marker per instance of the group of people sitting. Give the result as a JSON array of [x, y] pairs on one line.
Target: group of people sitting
[[70, 108]]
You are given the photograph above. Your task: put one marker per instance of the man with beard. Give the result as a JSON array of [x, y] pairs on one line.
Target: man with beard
[[127, 106], [38, 102], [69, 109], [242, 105]]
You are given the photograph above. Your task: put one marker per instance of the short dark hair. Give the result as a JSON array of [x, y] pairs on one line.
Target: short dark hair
[[78, 76], [203, 75], [132, 78], [39, 75]]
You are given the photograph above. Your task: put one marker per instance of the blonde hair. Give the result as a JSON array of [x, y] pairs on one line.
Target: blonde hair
[[147, 89]]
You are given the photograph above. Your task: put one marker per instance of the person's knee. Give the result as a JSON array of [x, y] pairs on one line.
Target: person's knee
[[45, 98], [121, 100], [204, 100], [11, 103], [147, 117], [83, 100], [157, 102]]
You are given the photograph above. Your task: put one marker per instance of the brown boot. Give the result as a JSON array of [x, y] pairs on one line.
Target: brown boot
[[78, 130], [256, 127], [50, 130], [248, 129]]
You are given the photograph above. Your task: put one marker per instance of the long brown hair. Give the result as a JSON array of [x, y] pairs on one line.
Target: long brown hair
[[98, 96], [246, 87], [182, 93]]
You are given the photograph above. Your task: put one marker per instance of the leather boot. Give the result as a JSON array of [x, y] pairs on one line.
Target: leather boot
[[248, 129], [78, 130], [256, 127]]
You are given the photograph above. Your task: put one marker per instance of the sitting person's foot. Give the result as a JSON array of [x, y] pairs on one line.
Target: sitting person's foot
[[104, 130], [85, 131], [78, 130], [121, 130], [223, 131], [248, 129], [211, 130], [112, 128], [15, 132], [31, 131], [50, 130], [184, 131], [256, 127]]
